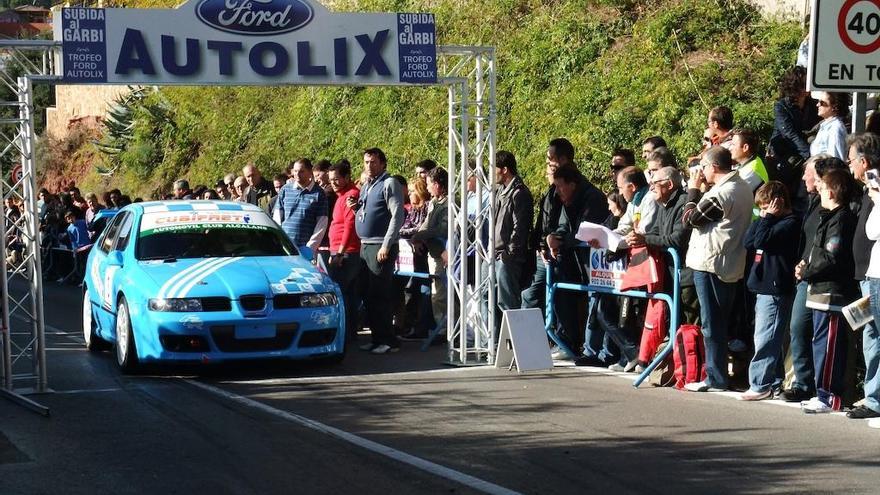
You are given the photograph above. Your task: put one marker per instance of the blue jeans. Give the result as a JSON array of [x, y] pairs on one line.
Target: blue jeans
[[508, 294], [801, 345], [716, 300], [535, 294], [771, 320], [601, 323], [507, 276], [871, 344]]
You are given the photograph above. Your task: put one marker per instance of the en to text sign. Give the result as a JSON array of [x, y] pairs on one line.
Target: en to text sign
[[845, 46]]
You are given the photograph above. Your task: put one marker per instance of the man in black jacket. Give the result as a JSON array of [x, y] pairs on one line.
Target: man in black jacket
[[581, 202], [513, 219], [560, 153]]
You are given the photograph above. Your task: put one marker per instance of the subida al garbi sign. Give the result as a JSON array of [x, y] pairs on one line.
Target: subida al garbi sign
[[245, 42]]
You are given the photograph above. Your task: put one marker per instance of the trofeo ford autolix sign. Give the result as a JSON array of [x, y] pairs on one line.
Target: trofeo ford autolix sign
[[245, 42]]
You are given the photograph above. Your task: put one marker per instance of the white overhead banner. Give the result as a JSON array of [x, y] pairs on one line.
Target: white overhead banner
[[845, 46], [245, 42]]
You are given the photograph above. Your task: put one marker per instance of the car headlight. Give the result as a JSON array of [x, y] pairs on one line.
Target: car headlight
[[321, 299], [175, 305]]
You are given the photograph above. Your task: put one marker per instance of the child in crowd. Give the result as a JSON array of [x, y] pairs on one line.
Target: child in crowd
[[774, 239], [829, 271], [80, 242]]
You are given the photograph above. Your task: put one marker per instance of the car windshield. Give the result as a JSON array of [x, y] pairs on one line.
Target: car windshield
[[202, 235]]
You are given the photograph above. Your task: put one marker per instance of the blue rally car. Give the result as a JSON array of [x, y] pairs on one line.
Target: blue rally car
[[204, 281]]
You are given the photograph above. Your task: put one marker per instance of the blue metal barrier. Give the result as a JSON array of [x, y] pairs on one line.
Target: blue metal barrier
[[672, 301]]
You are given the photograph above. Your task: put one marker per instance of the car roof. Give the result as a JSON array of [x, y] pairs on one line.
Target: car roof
[[192, 205]]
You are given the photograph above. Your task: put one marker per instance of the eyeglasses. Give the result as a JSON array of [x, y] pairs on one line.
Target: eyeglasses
[[851, 160], [707, 139], [823, 103]]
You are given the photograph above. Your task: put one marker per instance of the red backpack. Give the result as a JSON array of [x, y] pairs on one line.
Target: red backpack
[[689, 356]]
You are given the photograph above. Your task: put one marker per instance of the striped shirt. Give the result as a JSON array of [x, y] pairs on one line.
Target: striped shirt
[[302, 214]]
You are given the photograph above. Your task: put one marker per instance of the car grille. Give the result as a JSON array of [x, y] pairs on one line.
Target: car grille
[[317, 338], [224, 339], [286, 301], [252, 302], [216, 304]]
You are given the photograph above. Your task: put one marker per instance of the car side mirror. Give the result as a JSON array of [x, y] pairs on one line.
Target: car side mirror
[[307, 253], [114, 258]]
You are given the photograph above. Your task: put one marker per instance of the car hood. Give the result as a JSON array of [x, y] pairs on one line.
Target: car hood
[[236, 276]]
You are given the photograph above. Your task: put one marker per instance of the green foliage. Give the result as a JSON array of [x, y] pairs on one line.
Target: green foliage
[[605, 73]]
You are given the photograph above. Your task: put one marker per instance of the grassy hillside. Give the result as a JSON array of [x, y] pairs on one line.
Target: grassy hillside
[[605, 73]]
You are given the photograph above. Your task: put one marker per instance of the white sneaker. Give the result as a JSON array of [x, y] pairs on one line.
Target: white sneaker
[[817, 407], [813, 400], [696, 387], [701, 387], [630, 366], [384, 349], [560, 355], [639, 369]]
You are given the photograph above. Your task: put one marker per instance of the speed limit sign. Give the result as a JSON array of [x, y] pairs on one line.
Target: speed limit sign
[[845, 46], [16, 173]]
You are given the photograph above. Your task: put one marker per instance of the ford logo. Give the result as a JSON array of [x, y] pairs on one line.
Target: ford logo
[[255, 17]]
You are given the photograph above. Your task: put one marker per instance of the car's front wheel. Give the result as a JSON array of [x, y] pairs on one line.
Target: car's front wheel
[[126, 353]]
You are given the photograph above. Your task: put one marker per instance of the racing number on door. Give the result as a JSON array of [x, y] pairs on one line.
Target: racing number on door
[[858, 25]]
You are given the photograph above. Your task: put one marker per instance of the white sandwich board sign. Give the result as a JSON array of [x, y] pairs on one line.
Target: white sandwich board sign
[[245, 42], [523, 341]]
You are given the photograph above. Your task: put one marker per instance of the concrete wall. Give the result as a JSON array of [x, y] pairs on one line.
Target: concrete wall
[[785, 9], [79, 104]]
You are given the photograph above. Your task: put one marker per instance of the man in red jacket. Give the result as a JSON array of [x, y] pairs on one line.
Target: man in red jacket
[[345, 246]]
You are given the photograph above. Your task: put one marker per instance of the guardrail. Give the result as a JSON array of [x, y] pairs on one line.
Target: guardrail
[[672, 301]]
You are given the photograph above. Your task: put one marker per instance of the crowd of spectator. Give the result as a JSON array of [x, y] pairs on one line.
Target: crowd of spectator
[[773, 246]]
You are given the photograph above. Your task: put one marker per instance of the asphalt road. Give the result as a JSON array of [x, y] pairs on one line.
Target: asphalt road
[[406, 423]]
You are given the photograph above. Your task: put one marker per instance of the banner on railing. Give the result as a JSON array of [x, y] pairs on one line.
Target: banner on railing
[[405, 262], [604, 273]]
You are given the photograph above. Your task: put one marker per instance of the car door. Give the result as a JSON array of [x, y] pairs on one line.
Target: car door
[[100, 277]]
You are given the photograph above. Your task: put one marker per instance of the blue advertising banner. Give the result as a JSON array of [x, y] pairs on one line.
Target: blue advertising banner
[[245, 42], [84, 45], [417, 48]]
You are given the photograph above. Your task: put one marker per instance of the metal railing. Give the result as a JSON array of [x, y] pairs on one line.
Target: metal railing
[[673, 301]]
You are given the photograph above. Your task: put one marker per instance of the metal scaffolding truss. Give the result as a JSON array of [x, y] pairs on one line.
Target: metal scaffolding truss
[[469, 74], [22, 352]]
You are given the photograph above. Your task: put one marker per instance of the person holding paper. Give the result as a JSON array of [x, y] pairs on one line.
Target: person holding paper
[[581, 202]]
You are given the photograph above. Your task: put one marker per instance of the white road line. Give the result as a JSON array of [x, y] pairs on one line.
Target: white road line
[[424, 465], [283, 381], [87, 391]]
